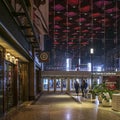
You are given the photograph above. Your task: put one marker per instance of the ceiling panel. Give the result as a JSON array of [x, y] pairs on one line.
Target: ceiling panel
[[81, 24]]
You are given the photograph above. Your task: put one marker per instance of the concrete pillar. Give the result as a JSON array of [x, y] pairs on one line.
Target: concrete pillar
[[68, 85], [32, 81], [54, 84], [61, 84], [48, 84]]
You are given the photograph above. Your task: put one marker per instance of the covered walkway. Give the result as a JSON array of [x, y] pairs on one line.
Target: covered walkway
[[63, 107]]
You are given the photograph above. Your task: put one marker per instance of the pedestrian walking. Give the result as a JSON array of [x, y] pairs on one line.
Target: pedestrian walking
[[76, 86]]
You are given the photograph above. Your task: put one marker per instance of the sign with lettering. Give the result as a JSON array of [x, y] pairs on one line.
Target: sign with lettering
[[44, 56], [111, 81]]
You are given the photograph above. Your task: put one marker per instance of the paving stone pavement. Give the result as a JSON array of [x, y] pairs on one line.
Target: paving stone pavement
[[63, 107]]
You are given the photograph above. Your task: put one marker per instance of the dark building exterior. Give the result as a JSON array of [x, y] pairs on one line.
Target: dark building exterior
[[24, 34], [20, 69]]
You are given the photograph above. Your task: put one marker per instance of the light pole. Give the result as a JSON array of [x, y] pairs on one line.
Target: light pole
[[91, 55]]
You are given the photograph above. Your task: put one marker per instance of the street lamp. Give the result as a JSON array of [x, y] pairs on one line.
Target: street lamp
[[91, 53]]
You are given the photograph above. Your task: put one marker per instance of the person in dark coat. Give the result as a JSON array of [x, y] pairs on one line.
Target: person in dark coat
[[84, 86], [76, 86]]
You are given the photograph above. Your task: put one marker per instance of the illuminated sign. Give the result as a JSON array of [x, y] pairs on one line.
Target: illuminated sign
[[44, 57]]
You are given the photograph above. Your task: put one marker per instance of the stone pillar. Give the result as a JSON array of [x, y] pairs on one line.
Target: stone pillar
[[25, 81], [68, 85], [32, 81], [54, 84], [61, 84], [48, 83]]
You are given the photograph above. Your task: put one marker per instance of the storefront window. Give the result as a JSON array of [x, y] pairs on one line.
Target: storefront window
[[1, 81], [64, 84], [51, 85], [23, 82], [9, 85], [71, 84], [45, 84], [58, 84]]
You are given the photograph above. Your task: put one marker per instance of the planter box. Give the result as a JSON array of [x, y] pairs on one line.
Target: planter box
[[116, 102]]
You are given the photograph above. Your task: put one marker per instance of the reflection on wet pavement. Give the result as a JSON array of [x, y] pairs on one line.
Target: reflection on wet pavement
[[63, 107]]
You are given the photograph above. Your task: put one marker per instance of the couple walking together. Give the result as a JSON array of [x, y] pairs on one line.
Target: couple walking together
[[83, 87]]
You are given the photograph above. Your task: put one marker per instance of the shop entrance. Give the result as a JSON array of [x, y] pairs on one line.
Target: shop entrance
[[54, 85], [62, 84], [10, 83]]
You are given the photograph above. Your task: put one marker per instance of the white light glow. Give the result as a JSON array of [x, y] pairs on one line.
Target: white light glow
[[99, 68], [91, 51], [68, 64], [79, 61], [89, 66]]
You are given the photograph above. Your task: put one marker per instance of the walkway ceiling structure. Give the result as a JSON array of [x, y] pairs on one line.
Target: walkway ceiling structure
[[19, 11], [77, 25]]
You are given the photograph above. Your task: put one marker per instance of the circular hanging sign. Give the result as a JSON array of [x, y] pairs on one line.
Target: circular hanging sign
[[44, 56]]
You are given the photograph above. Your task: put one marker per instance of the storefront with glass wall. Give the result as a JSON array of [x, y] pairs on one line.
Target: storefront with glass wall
[[13, 80], [18, 74], [17, 82], [1, 78], [59, 84]]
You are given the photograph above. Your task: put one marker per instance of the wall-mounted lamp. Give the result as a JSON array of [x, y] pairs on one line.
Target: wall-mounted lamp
[[8, 56]]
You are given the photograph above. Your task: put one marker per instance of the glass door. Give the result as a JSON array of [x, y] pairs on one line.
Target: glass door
[[1, 80], [64, 85], [9, 85], [45, 84], [58, 84], [51, 85], [72, 85]]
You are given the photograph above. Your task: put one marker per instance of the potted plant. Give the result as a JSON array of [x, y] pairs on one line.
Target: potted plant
[[104, 94], [94, 90], [107, 99]]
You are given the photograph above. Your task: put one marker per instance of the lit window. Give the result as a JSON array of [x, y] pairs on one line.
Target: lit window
[[68, 64], [89, 66]]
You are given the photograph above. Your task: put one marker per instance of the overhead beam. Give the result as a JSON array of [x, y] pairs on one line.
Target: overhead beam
[[25, 27], [16, 14], [30, 36]]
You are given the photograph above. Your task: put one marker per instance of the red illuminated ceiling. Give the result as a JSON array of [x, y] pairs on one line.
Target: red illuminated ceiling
[[84, 23]]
